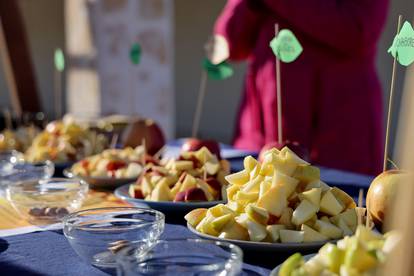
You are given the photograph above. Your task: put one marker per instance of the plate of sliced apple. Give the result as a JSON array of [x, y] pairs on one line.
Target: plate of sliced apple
[[196, 179], [277, 205], [110, 168]]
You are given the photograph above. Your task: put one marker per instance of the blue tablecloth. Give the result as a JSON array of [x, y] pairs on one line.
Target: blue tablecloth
[[49, 253]]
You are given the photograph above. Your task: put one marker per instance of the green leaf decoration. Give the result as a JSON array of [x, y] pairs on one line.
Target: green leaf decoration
[[402, 47], [59, 60], [219, 71], [135, 53], [286, 46]]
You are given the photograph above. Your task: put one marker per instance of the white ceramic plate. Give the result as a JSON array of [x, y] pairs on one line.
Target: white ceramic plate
[[275, 272], [266, 246], [100, 182], [163, 206]]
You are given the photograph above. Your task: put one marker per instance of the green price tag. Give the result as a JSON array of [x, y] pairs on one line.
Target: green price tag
[[219, 71], [402, 47], [135, 53], [59, 60], [286, 46]]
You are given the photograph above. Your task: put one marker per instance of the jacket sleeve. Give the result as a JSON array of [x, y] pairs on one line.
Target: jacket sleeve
[[239, 24], [345, 25]]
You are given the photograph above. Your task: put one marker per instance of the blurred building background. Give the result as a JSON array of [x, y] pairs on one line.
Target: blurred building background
[[191, 23]]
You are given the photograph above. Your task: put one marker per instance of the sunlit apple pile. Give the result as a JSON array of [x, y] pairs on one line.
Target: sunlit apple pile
[[279, 200]]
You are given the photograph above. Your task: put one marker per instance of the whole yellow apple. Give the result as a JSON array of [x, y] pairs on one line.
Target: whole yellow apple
[[381, 193]]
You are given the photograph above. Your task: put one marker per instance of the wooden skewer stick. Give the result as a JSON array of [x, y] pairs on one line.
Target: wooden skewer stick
[[390, 101], [8, 119], [58, 93], [9, 75], [114, 141], [360, 200], [278, 95], [145, 151], [200, 101]]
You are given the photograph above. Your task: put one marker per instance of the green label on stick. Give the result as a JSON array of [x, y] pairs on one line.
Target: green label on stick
[[286, 46], [219, 71], [402, 47], [59, 60], [135, 53]]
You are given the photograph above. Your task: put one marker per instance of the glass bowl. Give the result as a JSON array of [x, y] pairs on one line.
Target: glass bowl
[[97, 234], [180, 257], [46, 201]]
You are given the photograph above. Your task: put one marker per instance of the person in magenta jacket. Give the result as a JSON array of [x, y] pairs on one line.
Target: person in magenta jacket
[[331, 95]]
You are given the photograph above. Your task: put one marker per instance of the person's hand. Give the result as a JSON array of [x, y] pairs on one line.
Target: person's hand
[[217, 49]]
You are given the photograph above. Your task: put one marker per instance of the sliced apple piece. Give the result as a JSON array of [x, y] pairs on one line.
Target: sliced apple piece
[[264, 187], [330, 205], [234, 231], [328, 229], [257, 232], [273, 231], [332, 256], [307, 173], [345, 228], [161, 192], [220, 210], [289, 236], [248, 197], [344, 198], [208, 191], [203, 155], [266, 170], [206, 226], [313, 195], [249, 163], [212, 168], [286, 217], [291, 264], [256, 170], [311, 235], [195, 216], [238, 178], [291, 157], [283, 166], [183, 165], [305, 211], [189, 182], [290, 183], [219, 223], [253, 185], [235, 206], [349, 216], [258, 214], [318, 184], [358, 258], [231, 191], [274, 200]]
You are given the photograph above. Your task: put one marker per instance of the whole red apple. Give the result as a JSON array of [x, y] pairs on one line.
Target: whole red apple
[[194, 144], [145, 129], [301, 151]]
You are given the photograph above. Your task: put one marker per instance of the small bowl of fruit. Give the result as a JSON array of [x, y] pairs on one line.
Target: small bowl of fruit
[[111, 168], [279, 204], [195, 179]]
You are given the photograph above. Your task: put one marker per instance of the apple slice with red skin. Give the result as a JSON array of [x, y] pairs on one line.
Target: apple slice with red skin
[[213, 183], [196, 163], [180, 197], [195, 194], [194, 144], [298, 149]]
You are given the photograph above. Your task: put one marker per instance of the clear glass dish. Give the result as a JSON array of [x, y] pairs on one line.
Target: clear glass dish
[[47, 201], [180, 257], [97, 234]]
